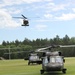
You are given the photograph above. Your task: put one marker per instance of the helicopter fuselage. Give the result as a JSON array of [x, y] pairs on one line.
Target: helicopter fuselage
[[53, 63], [34, 58]]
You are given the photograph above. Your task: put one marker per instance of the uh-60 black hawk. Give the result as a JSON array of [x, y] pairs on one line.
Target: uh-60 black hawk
[[25, 20], [52, 60], [34, 58]]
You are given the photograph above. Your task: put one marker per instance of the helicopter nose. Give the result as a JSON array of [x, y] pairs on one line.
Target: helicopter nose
[[54, 65]]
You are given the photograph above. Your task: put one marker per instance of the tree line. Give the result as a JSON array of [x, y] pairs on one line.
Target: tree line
[[20, 49]]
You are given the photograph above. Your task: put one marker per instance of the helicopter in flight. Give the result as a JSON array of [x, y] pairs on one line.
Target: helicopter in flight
[[25, 20], [53, 60]]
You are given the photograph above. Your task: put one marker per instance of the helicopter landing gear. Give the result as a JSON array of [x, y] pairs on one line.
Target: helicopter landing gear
[[28, 63], [64, 71], [41, 71]]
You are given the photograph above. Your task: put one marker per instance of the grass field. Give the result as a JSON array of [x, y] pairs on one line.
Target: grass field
[[20, 67]]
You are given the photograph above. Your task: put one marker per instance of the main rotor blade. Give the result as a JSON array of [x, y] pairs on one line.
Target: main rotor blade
[[66, 46], [53, 46], [41, 49], [19, 17], [15, 52], [10, 48], [24, 17]]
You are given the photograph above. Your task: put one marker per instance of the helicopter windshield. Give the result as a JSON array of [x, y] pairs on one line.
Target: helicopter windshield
[[56, 59], [52, 60], [34, 57]]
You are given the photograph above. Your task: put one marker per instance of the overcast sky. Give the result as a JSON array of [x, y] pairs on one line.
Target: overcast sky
[[47, 18]]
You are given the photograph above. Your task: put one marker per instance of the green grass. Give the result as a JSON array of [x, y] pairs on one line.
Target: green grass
[[20, 67]]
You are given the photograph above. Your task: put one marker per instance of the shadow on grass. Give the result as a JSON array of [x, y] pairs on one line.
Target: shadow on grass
[[53, 73], [34, 64]]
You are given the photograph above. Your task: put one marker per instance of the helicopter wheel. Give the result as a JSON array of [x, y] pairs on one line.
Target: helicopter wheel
[[28, 63], [64, 71], [42, 71]]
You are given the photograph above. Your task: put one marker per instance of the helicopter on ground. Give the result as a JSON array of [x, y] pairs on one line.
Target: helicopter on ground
[[52, 60], [25, 20], [34, 58]]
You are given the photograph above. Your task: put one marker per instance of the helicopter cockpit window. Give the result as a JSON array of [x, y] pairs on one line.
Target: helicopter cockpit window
[[55, 59], [33, 57], [52, 60], [59, 60]]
